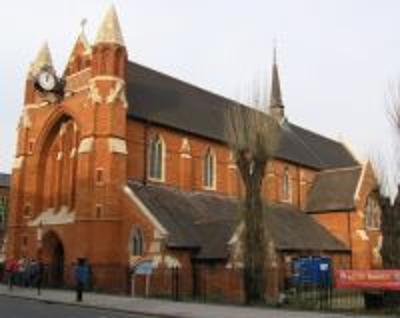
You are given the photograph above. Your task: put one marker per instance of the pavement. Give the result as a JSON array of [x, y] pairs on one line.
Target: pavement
[[159, 308], [11, 307]]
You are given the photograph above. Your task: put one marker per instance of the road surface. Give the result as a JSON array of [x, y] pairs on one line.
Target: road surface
[[22, 308]]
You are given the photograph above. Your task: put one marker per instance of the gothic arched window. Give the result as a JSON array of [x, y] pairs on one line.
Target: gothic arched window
[[137, 243], [372, 213], [156, 158], [209, 170], [286, 189]]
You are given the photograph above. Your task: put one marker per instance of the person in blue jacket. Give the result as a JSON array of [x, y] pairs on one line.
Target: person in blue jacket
[[81, 278]]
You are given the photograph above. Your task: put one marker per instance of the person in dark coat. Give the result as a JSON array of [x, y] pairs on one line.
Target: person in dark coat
[[37, 272], [81, 278]]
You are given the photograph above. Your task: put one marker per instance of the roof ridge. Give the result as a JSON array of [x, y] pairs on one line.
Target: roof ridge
[[316, 134], [331, 170]]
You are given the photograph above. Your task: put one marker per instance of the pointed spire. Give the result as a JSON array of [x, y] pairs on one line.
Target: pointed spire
[[81, 41], [276, 104], [276, 95], [82, 36], [110, 30], [42, 59]]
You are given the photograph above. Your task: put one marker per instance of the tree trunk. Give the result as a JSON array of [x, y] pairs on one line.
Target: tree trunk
[[254, 235], [390, 251]]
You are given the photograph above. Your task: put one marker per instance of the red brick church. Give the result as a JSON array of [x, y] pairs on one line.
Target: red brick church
[[118, 163]]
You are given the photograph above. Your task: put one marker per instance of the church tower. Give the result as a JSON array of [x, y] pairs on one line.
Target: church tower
[[71, 158], [103, 150], [276, 107], [21, 199]]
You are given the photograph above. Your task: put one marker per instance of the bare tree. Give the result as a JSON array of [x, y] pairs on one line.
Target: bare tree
[[389, 200], [253, 138], [388, 172]]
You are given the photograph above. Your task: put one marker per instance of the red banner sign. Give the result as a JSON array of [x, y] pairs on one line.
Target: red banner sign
[[368, 279]]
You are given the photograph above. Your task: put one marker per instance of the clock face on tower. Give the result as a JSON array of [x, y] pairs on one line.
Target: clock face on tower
[[46, 80]]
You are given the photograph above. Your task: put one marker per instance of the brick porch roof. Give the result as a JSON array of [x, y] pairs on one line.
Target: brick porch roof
[[334, 190], [207, 221]]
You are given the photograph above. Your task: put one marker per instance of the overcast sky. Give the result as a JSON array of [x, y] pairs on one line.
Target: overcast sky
[[336, 58]]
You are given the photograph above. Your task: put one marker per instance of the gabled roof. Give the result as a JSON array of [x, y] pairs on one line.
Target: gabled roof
[[206, 222], [293, 229], [334, 190], [163, 100], [5, 180]]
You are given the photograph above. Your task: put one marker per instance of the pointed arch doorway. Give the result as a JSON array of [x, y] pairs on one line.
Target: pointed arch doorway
[[53, 258]]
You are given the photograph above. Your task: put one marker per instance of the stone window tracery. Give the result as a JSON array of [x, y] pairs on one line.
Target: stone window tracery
[[372, 213], [209, 167], [286, 185], [60, 165], [156, 158], [137, 243]]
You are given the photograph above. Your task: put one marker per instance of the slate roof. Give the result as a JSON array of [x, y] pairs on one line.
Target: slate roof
[[207, 221], [163, 100], [294, 230], [334, 190], [4, 180]]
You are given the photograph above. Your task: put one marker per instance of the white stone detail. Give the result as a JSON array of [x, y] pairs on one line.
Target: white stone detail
[[86, 145], [105, 78], [110, 30], [377, 249], [185, 150], [185, 147], [360, 181], [26, 119], [168, 260], [118, 93], [94, 94], [44, 103], [171, 262], [236, 235], [18, 162], [59, 155], [68, 94], [155, 247], [53, 217], [117, 145], [363, 235], [62, 129], [237, 264], [31, 106]]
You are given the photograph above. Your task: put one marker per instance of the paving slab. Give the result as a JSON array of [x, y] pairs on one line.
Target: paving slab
[[162, 308]]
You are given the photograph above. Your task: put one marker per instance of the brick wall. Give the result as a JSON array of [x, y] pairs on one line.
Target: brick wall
[[185, 170]]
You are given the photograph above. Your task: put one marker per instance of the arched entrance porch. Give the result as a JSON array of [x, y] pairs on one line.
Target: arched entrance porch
[[53, 258]]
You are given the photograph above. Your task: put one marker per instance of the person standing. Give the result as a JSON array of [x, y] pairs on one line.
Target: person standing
[[27, 273], [39, 273], [81, 278], [11, 269], [20, 269], [32, 272]]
